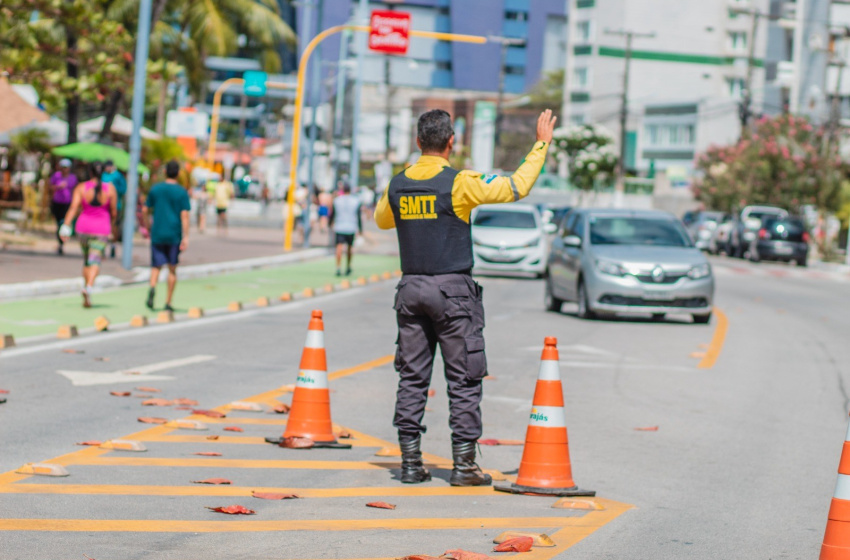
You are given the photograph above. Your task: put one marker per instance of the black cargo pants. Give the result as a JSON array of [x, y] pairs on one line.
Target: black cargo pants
[[445, 309]]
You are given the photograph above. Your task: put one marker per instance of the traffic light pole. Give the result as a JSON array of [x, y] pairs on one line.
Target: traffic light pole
[[299, 105]]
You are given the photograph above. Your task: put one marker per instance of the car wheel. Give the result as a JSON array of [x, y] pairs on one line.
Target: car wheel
[[658, 316], [702, 319], [802, 262], [584, 311], [549, 300]]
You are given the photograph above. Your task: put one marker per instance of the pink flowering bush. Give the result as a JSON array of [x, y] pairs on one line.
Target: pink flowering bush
[[782, 161]]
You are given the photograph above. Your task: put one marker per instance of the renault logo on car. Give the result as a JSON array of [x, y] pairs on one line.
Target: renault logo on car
[[657, 274]]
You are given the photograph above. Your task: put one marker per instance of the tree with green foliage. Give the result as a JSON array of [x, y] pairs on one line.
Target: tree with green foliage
[[782, 161], [67, 49]]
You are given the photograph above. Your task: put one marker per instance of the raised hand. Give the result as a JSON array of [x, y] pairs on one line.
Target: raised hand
[[546, 126]]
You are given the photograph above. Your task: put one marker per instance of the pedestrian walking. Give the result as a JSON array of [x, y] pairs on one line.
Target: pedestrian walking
[[168, 205], [347, 223], [437, 301], [223, 192], [97, 204], [199, 193], [62, 184], [114, 177], [324, 200]]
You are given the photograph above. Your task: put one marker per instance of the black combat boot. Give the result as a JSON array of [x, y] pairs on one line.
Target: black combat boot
[[466, 472], [412, 470]]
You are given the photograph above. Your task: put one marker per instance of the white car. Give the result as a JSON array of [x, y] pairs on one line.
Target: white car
[[509, 238]]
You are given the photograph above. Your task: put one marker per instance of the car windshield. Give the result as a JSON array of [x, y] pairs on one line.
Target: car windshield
[[622, 230], [504, 219], [759, 215]]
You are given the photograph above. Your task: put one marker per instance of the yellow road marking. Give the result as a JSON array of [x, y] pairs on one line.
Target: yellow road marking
[[233, 525], [233, 463], [716, 344], [241, 491], [362, 367], [244, 440]]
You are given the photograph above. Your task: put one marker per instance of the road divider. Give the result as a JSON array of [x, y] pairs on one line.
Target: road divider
[[101, 323], [67, 331], [7, 341], [139, 321], [234, 306], [165, 317], [195, 312], [263, 301]]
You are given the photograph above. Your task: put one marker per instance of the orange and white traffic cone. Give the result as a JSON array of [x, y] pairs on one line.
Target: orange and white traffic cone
[[836, 539], [310, 415], [545, 465]]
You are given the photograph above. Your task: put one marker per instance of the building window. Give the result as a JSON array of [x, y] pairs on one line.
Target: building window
[[652, 134], [514, 70], [514, 15], [737, 41], [577, 120], [580, 78], [585, 3], [583, 32], [443, 65], [735, 87], [670, 135]]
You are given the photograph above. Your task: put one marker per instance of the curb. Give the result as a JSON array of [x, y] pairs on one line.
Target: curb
[[24, 290]]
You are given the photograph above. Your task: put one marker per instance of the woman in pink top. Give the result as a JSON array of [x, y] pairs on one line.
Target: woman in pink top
[[97, 203]]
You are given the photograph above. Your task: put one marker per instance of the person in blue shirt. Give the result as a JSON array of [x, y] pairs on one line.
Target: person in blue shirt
[[116, 179]]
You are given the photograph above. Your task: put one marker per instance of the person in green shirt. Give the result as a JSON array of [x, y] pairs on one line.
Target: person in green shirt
[[168, 204]]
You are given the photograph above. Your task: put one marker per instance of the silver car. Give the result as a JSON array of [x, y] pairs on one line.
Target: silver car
[[509, 238], [628, 261]]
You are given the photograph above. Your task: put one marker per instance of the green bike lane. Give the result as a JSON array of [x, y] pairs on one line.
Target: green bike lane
[[43, 316]]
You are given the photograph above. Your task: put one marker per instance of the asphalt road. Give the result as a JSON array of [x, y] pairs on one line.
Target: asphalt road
[[742, 465]]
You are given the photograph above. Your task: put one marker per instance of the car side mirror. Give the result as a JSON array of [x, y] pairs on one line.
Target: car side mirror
[[550, 227], [572, 241]]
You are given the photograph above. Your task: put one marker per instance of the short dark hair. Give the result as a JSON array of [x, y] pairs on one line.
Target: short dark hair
[[346, 188], [172, 169], [108, 163], [434, 130]]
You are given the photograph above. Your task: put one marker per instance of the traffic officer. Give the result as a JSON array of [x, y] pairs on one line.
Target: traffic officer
[[437, 301]]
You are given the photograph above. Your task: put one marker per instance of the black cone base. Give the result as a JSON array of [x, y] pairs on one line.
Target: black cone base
[[518, 489], [316, 444]]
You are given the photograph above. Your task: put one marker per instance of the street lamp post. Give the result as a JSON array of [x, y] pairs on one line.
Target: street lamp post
[[142, 43]]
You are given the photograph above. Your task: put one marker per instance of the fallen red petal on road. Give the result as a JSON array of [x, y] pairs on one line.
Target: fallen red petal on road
[[297, 442], [148, 389], [500, 442], [157, 402], [208, 453], [151, 420], [274, 496], [213, 438], [516, 544], [72, 351], [185, 402], [465, 555], [381, 505], [212, 481], [210, 413], [233, 510], [281, 408], [647, 429], [233, 429], [101, 359], [432, 392], [343, 434], [90, 442], [182, 408], [4, 392], [120, 393], [420, 557]]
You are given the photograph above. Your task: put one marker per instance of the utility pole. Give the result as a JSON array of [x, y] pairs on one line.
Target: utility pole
[[504, 43], [315, 99], [388, 107], [339, 101], [362, 18], [745, 110], [624, 107]]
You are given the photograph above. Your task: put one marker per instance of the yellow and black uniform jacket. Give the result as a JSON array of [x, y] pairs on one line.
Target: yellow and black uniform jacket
[[431, 204]]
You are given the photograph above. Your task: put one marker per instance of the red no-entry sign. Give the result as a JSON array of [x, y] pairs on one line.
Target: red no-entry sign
[[390, 32]]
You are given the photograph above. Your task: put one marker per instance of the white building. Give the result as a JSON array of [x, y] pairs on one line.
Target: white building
[[689, 62]]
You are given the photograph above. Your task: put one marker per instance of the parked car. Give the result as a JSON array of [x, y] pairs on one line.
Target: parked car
[[552, 214], [781, 239], [702, 227], [509, 238], [720, 236], [628, 261], [746, 227]]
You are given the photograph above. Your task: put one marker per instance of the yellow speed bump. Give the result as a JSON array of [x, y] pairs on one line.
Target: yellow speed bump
[[308, 292], [386, 275], [572, 503], [67, 331], [263, 301], [43, 469], [361, 281], [234, 306], [374, 278], [139, 321], [196, 312], [123, 445], [540, 539], [187, 425], [329, 288], [245, 406], [101, 323], [165, 317], [285, 296], [344, 285]]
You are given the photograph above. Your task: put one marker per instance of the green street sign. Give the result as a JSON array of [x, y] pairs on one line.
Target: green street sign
[[255, 83]]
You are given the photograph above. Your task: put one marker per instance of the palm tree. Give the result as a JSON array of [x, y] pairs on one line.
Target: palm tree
[[187, 31]]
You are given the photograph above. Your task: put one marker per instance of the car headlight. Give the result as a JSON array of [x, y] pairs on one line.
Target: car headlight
[[531, 243], [699, 271], [610, 267]]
